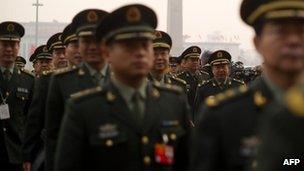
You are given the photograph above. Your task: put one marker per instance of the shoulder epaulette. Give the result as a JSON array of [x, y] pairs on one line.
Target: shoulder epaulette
[[47, 72], [170, 87], [213, 101], [203, 82], [179, 80], [239, 81], [86, 92], [178, 74], [294, 99], [64, 70], [27, 72]]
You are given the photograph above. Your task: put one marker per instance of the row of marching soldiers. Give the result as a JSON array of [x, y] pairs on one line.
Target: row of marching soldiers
[[103, 99]]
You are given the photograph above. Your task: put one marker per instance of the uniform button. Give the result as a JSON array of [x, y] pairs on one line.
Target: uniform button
[[109, 143], [4, 129], [173, 136], [22, 98], [145, 140], [147, 160]]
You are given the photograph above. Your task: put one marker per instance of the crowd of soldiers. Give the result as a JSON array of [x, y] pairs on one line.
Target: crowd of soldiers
[[106, 95]]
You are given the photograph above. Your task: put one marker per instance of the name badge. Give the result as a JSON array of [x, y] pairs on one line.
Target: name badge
[[4, 112]]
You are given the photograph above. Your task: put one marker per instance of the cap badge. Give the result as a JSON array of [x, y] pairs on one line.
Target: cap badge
[[92, 16], [10, 27], [158, 34], [194, 49], [219, 54], [133, 15]]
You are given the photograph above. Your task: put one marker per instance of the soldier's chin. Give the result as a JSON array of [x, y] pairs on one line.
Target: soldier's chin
[[62, 64]]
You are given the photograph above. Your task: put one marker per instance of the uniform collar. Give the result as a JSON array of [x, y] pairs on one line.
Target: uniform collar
[[277, 92], [93, 71], [11, 69], [127, 92]]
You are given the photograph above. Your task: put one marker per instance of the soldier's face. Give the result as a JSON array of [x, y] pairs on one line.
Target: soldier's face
[[192, 64], [36, 67], [161, 59], [89, 51], [8, 52], [130, 59], [45, 64], [72, 53], [281, 44], [59, 58], [220, 71]]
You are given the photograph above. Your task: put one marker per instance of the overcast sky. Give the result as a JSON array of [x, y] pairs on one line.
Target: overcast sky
[[201, 17]]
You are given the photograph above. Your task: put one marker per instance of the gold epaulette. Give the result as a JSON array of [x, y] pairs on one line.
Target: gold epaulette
[[179, 80], [170, 87], [203, 82], [294, 99], [239, 81], [86, 92], [48, 72], [27, 72], [64, 70], [213, 101]]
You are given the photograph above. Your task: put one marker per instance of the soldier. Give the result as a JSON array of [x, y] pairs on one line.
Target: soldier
[[70, 41], [34, 136], [16, 87], [285, 127], [162, 46], [126, 124], [56, 48], [64, 83], [226, 136], [173, 65], [43, 58], [36, 70], [220, 65], [20, 62], [193, 76]]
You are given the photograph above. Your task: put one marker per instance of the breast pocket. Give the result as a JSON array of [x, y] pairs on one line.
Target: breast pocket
[[108, 140], [171, 134], [23, 96]]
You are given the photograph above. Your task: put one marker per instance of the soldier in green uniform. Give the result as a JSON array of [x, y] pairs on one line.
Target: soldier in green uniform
[[70, 41], [193, 76], [226, 137], [282, 132], [64, 83], [20, 62], [34, 136], [173, 65], [36, 68], [126, 124], [159, 72], [56, 48], [16, 88], [220, 65]]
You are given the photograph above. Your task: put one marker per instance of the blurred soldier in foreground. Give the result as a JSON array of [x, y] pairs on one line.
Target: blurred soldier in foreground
[[128, 123], [16, 88], [226, 137]]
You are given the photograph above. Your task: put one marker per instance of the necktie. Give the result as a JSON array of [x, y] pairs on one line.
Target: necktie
[[136, 107], [98, 77], [7, 75]]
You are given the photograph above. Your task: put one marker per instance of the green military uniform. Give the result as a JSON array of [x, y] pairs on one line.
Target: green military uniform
[[282, 133], [192, 79], [65, 82], [104, 129], [169, 79], [227, 136], [16, 88], [20, 62], [213, 86], [34, 135]]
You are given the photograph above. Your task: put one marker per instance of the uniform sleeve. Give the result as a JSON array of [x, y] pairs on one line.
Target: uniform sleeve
[[35, 121], [69, 154], [54, 109], [182, 151], [205, 143]]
